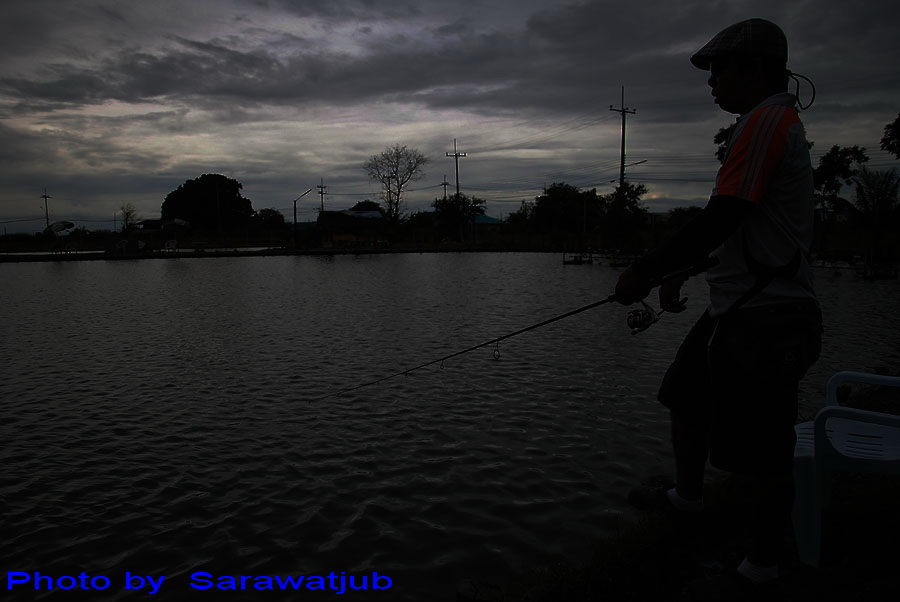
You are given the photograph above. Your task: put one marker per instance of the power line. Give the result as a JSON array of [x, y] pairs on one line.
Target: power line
[[558, 130], [426, 187], [19, 221]]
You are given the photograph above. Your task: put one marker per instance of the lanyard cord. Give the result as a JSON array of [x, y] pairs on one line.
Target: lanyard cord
[[797, 77]]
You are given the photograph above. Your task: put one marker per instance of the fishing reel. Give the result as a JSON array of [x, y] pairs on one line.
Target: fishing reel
[[640, 320]]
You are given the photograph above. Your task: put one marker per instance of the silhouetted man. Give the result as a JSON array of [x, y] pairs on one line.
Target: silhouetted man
[[733, 386]]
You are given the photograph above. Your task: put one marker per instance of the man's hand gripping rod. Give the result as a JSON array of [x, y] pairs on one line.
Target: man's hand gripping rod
[[639, 320]]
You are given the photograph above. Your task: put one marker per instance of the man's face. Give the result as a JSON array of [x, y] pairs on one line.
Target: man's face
[[733, 85]]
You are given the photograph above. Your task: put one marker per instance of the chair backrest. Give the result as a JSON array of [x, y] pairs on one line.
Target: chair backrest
[[860, 377], [857, 440]]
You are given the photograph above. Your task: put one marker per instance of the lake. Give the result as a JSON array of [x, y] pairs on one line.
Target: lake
[[164, 417]]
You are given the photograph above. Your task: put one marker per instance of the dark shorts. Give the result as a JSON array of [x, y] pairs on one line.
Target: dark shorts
[[738, 375]]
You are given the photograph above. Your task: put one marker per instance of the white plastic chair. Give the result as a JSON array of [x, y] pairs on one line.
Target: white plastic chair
[[839, 439]]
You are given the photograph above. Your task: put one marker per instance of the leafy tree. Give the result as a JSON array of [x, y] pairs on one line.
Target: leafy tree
[[271, 219], [680, 216], [838, 167], [564, 208], [616, 220], [210, 202], [366, 206], [891, 140], [721, 139], [677, 219], [455, 213], [394, 169], [522, 215], [624, 215]]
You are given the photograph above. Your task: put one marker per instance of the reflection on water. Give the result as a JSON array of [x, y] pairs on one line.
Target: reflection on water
[[161, 416]]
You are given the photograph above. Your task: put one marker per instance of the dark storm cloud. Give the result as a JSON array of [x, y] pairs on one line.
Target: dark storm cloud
[[566, 59], [254, 84], [21, 23], [214, 72], [63, 84], [189, 69], [62, 145], [563, 57], [19, 148], [348, 10]]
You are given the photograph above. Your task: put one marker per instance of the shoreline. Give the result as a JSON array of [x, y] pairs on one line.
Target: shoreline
[[238, 252], [606, 258]]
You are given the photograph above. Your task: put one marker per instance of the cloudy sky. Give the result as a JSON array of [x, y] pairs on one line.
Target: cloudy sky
[[106, 102]]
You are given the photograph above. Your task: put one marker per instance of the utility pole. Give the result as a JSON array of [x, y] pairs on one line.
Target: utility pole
[[46, 198], [445, 184], [321, 186], [219, 216], [625, 111], [456, 155]]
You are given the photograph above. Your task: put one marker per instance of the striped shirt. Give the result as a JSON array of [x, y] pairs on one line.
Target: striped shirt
[[767, 163]]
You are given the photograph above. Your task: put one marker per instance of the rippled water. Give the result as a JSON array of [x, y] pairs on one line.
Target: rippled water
[[164, 416]]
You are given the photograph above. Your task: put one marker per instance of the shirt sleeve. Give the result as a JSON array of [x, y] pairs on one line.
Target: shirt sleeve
[[692, 244], [754, 156]]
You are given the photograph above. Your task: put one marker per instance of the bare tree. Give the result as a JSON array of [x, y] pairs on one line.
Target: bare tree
[[878, 199], [395, 168], [129, 217], [877, 193]]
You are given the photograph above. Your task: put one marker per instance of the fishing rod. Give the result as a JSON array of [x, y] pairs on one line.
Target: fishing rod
[[638, 320], [496, 342]]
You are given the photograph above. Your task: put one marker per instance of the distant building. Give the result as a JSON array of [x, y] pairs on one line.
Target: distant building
[[351, 228]]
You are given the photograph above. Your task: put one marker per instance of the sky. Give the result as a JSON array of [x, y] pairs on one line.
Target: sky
[[105, 103]]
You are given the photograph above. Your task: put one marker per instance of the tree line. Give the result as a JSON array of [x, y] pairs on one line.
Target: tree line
[[865, 224], [562, 216]]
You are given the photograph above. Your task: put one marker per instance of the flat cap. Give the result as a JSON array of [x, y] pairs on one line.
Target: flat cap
[[750, 38]]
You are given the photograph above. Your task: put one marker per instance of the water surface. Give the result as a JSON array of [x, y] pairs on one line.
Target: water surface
[[165, 416]]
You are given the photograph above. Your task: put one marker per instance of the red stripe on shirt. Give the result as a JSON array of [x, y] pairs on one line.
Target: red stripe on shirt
[[754, 156]]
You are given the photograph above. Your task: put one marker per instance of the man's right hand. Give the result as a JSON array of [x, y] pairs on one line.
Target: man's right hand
[[670, 295]]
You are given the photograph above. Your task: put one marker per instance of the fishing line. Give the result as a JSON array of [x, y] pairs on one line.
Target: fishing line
[[638, 320], [495, 342]]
